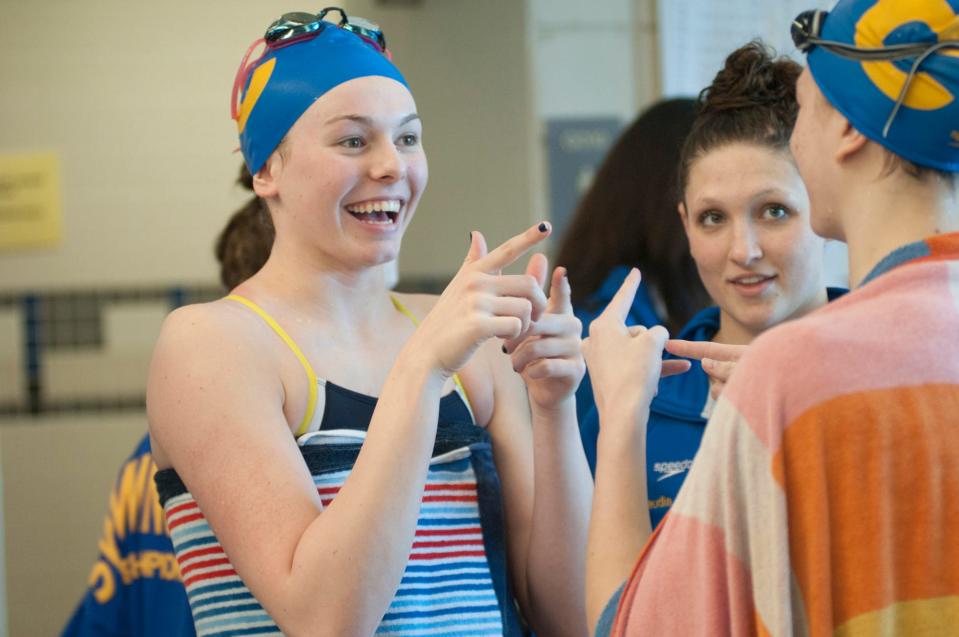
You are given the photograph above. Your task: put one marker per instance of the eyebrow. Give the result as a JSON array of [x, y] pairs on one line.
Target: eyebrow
[[366, 121], [768, 193]]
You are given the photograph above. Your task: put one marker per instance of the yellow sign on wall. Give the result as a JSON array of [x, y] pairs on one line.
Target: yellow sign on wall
[[30, 200]]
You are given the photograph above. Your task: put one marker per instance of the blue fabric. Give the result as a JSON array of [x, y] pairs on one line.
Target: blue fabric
[[152, 602], [604, 626], [642, 312], [925, 129], [492, 519], [676, 422], [347, 409], [301, 73], [896, 258]]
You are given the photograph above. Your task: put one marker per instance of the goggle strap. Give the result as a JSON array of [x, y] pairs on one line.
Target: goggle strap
[[948, 44], [344, 19], [807, 27], [892, 52], [241, 74]]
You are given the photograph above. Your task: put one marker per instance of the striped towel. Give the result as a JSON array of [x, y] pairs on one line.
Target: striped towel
[[454, 583], [825, 497]]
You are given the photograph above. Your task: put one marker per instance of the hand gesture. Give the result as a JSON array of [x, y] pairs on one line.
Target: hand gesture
[[548, 354], [718, 359], [481, 303], [625, 363]]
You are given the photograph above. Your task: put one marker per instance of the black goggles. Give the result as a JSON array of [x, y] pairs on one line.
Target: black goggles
[[296, 26], [806, 30]]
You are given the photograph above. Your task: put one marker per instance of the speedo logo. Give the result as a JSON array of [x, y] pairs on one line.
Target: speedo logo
[[673, 468]]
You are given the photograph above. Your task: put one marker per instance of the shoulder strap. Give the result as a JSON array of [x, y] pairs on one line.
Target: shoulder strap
[[310, 374], [456, 377]]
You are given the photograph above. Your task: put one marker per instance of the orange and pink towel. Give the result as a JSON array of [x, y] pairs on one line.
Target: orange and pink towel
[[825, 497]]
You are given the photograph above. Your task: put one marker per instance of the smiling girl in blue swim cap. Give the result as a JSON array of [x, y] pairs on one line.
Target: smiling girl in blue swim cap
[[331, 455]]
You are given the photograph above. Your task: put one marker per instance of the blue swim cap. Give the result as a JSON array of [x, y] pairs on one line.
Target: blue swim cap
[[925, 129], [282, 84]]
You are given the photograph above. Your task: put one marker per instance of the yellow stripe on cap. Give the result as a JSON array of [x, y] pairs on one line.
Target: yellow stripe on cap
[[257, 83]]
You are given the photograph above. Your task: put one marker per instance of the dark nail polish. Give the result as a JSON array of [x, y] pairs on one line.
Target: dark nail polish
[[543, 227], [505, 351], [471, 237]]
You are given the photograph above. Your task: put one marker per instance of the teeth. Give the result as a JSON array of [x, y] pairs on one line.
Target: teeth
[[386, 205], [750, 280]]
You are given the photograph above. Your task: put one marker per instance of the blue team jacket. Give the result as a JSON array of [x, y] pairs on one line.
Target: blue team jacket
[[677, 420], [134, 586]]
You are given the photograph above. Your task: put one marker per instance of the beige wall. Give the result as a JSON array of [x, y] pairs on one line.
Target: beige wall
[[134, 99]]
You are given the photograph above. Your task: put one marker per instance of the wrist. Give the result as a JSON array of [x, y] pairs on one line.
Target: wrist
[[557, 410], [412, 364], [623, 425], [631, 404]]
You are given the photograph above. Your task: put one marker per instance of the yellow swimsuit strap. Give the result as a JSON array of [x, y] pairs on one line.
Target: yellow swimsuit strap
[[456, 378], [310, 374]]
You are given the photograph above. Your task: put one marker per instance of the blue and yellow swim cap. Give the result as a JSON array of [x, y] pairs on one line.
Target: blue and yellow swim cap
[[891, 67], [279, 86]]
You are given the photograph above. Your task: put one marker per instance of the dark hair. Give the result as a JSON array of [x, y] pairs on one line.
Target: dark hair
[[752, 100], [628, 216], [244, 244]]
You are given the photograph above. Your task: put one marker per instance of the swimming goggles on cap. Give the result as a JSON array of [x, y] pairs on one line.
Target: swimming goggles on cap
[[295, 27], [807, 28]]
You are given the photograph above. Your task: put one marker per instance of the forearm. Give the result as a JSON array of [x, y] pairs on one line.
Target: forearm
[[619, 523], [353, 555], [558, 534]]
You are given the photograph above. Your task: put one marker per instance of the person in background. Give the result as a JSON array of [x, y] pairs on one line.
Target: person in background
[[627, 218], [134, 588], [825, 495], [745, 212]]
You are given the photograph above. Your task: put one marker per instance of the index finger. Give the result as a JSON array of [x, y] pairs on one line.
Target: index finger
[[705, 349], [622, 301], [512, 249], [559, 293]]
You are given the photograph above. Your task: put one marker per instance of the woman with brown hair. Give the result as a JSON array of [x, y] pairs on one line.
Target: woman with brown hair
[[745, 211]]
